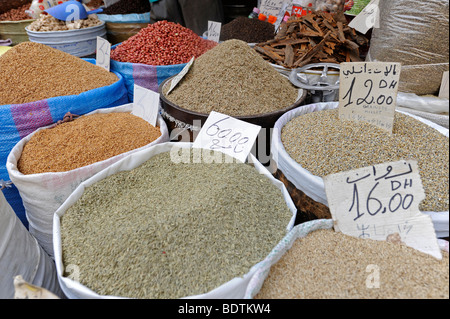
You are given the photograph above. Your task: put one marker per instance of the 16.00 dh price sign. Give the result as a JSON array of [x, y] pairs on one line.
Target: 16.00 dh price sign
[[378, 201]]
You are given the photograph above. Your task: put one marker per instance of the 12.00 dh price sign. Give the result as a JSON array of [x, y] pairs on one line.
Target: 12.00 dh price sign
[[368, 92]]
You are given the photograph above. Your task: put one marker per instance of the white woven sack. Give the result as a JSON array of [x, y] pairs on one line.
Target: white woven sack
[[43, 193], [232, 289], [312, 185], [300, 231], [20, 254]]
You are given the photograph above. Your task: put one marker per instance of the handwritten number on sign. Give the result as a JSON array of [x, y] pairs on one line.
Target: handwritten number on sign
[[374, 204], [367, 83], [224, 140], [349, 93]]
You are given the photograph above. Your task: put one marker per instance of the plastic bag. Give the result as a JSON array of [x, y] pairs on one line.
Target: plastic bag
[[313, 185], [432, 108], [43, 193], [414, 33], [234, 288], [125, 18], [38, 6]]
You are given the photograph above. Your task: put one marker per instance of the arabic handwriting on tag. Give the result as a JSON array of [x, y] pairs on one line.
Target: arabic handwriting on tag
[[381, 201], [368, 92]]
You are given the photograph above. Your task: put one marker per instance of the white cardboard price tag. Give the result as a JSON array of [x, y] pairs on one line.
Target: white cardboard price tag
[[176, 79], [368, 92], [272, 7], [227, 134], [214, 31], [146, 104], [380, 201], [103, 53], [109, 2], [368, 18], [443, 90]]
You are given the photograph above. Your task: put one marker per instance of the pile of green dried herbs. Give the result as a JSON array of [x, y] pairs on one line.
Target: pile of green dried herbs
[[167, 230]]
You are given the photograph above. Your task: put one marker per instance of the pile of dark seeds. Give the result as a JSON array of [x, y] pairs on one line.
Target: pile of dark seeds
[[248, 30], [127, 6]]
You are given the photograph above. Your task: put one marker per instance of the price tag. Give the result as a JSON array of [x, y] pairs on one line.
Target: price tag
[[368, 18], [368, 92], [214, 31], [109, 2], [226, 134], [176, 79], [103, 53], [443, 90], [271, 7], [146, 104], [380, 202]]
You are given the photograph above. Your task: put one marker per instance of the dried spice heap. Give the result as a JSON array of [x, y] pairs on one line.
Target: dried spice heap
[[16, 14], [162, 43], [330, 265], [225, 218], [84, 141], [242, 83], [127, 6], [33, 71], [316, 37], [323, 144], [247, 30]]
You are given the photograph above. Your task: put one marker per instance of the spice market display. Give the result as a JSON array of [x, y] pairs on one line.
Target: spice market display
[[122, 165]]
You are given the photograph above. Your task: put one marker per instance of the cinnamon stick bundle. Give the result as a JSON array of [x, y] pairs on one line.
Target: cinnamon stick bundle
[[313, 38]]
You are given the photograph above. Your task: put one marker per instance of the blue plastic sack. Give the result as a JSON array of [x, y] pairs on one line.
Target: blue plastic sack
[[147, 76], [125, 18], [19, 120]]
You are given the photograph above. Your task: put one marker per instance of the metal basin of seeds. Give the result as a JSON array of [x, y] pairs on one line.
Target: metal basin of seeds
[[176, 114]]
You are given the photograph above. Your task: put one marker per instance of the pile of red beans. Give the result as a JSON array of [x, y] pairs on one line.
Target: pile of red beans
[[16, 14], [162, 43]]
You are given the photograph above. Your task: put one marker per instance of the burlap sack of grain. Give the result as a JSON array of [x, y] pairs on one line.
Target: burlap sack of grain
[[310, 188], [43, 193], [20, 254], [416, 34], [233, 289]]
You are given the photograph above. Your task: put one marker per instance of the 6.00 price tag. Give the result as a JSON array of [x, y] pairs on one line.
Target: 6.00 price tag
[[228, 135], [378, 201]]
